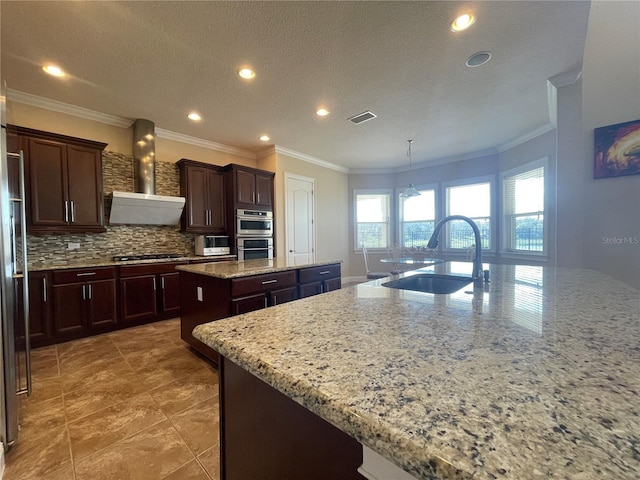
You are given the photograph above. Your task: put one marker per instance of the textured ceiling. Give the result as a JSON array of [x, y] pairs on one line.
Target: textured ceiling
[[159, 60]]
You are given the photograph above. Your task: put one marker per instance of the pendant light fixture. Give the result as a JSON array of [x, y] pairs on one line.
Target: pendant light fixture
[[410, 191]]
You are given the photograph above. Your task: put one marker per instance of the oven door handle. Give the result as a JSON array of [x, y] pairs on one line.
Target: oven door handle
[[250, 249]]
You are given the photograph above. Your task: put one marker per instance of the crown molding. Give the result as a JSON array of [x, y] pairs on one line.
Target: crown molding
[[310, 159], [54, 105], [526, 137], [198, 142]]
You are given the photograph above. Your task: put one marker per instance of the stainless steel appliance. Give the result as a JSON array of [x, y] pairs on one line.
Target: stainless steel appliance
[[252, 248], [254, 223], [212, 245], [13, 262]]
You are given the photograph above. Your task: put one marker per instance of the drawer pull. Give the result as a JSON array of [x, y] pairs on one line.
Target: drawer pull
[[85, 274], [266, 282], [324, 272]]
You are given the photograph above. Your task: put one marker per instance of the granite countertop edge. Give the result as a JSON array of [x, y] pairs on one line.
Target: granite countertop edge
[[40, 267], [235, 269]]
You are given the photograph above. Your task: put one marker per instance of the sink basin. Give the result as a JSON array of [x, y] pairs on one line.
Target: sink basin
[[430, 283]]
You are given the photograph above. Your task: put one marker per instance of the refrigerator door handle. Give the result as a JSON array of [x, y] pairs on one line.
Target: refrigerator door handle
[[25, 284]]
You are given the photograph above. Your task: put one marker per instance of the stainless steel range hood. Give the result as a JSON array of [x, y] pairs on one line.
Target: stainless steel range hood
[[144, 207]]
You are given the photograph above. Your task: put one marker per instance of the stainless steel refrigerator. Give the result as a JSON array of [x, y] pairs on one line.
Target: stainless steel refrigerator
[[15, 355]]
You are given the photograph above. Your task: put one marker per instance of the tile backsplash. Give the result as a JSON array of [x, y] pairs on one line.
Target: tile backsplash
[[117, 174]]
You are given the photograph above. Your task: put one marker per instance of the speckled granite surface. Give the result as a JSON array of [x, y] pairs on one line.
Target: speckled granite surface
[[108, 263], [249, 267], [536, 376]]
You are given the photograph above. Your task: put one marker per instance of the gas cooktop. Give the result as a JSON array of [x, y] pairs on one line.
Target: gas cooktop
[[151, 256]]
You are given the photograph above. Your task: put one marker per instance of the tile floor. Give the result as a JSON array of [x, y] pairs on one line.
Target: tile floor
[[136, 404]]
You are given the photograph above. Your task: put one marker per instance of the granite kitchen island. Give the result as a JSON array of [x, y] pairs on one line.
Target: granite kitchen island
[[537, 375]]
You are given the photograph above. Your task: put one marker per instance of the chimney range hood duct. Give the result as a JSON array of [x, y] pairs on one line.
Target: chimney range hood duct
[[144, 207]]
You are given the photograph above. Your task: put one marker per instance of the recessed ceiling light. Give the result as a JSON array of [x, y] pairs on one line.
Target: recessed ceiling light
[[194, 116], [322, 112], [246, 73], [54, 70], [462, 22], [478, 59], [264, 138]]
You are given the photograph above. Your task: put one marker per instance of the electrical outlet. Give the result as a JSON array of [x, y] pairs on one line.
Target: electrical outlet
[[73, 246]]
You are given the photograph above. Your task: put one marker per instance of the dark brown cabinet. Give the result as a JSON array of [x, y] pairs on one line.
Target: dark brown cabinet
[[202, 186], [64, 182], [316, 280], [149, 292], [84, 301], [40, 326], [249, 187]]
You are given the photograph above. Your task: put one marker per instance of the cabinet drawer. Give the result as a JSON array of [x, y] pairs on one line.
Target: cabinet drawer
[[262, 283], [148, 269], [317, 274], [83, 275]]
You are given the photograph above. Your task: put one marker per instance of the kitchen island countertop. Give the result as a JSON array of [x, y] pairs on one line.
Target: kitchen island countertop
[[535, 376], [247, 268]]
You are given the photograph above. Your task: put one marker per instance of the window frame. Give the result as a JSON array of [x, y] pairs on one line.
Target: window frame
[[399, 212], [506, 232], [373, 191], [493, 221]]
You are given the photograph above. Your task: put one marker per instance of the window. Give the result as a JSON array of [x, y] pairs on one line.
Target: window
[[417, 218], [473, 201], [523, 209], [372, 219]]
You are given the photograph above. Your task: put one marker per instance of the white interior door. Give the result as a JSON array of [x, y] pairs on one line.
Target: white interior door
[[300, 211]]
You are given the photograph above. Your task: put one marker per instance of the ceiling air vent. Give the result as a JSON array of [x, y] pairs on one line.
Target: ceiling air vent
[[362, 117]]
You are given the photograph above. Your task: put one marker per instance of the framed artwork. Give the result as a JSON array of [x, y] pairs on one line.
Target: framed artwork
[[617, 150]]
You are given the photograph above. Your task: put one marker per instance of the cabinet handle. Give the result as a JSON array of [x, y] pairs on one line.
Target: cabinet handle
[[86, 274], [266, 302], [84, 295], [266, 282], [253, 197], [90, 294], [208, 217], [154, 284], [162, 282], [44, 289], [73, 212], [275, 299], [324, 272], [66, 211]]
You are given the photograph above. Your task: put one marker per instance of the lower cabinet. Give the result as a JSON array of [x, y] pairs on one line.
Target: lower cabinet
[[316, 280], [149, 292], [84, 301], [40, 324]]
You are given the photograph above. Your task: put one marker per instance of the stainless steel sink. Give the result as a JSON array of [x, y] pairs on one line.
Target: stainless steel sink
[[430, 283]]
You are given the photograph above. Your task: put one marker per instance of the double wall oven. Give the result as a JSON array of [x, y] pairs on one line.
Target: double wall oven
[[254, 234]]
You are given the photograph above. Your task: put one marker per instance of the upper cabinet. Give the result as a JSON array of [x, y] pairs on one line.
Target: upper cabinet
[[63, 182], [203, 187], [251, 188]]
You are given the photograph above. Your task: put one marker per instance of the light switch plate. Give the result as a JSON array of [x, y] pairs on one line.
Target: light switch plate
[[73, 246]]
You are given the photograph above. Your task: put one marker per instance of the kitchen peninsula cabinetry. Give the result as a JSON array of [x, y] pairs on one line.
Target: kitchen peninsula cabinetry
[[203, 187], [316, 280], [249, 187], [149, 292], [84, 301], [64, 182]]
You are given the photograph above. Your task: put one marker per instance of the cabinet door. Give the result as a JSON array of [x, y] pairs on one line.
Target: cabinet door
[[310, 289], [196, 194], [215, 198], [245, 187], [68, 311], [138, 298], [101, 304], [84, 172], [47, 162], [332, 284], [40, 328], [248, 304], [264, 189], [170, 293], [283, 295]]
